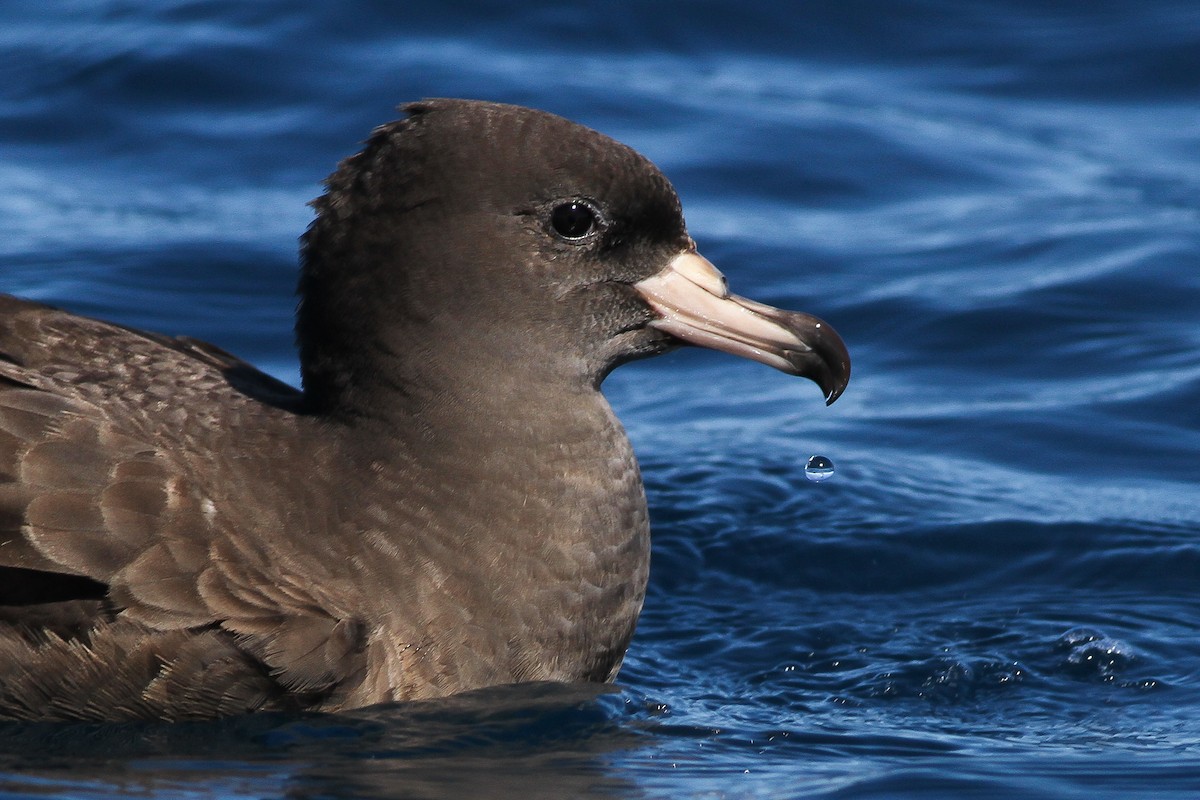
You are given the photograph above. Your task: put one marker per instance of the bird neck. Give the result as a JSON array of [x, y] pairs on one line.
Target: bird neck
[[530, 503]]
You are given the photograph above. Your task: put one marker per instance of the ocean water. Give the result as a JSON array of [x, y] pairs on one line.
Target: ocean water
[[997, 204]]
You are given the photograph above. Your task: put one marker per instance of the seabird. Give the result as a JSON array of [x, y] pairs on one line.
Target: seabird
[[449, 503]]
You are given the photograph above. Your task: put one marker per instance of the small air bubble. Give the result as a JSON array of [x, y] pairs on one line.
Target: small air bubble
[[818, 468]]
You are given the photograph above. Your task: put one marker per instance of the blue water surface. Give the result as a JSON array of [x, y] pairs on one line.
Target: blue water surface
[[996, 203]]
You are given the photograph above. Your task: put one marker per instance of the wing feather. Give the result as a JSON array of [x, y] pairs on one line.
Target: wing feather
[[121, 574]]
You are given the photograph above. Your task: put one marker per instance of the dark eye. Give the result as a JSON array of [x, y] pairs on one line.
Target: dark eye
[[574, 220]]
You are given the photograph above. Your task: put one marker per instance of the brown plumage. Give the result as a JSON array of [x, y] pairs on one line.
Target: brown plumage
[[448, 504]]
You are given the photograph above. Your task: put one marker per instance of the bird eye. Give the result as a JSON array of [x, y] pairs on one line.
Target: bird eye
[[574, 220]]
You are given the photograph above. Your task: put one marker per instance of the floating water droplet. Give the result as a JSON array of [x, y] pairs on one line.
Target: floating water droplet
[[818, 468]]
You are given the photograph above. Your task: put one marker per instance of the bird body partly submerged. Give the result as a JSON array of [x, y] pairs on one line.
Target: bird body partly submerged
[[449, 503]]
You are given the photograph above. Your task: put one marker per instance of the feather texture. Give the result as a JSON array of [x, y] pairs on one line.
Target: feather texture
[[124, 596]]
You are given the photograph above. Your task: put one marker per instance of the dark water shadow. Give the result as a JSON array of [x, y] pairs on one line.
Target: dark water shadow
[[529, 741]]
